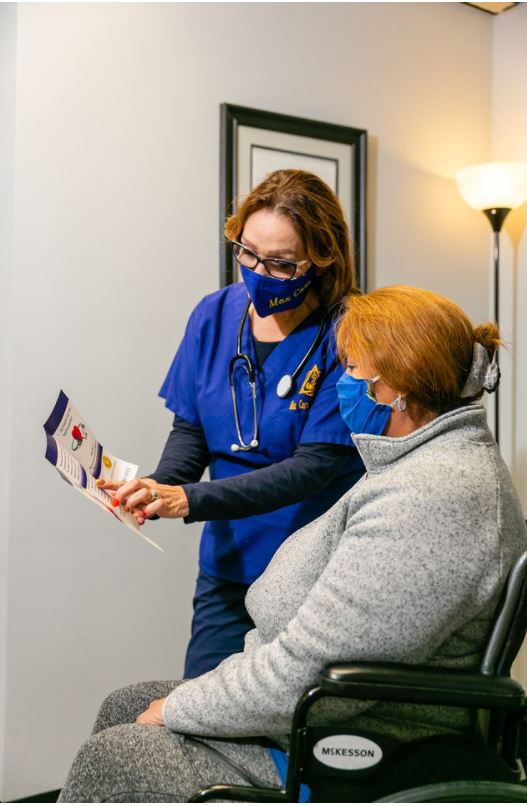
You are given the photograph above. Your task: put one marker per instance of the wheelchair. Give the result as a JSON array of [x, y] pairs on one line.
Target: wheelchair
[[341, 764]]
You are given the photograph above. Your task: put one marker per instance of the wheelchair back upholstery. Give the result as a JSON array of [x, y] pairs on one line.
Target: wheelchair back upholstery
[[510, 624]]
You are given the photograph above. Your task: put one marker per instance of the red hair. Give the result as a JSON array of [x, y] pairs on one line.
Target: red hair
[[419, 342]]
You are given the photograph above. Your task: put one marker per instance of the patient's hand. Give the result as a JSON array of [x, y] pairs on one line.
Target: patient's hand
[[153, 714]]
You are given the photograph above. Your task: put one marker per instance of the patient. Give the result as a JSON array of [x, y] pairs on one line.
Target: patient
[[406, 567]]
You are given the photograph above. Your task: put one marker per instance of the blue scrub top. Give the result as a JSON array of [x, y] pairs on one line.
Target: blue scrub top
[[197, 389]]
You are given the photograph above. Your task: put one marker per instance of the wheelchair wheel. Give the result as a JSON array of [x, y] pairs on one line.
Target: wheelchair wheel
[[461, 792]]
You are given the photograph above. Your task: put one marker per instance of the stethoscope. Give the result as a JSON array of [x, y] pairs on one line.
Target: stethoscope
[[284, 386]]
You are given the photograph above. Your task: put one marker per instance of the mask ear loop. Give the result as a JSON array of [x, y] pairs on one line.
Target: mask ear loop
[[400, 402], [371, 392]]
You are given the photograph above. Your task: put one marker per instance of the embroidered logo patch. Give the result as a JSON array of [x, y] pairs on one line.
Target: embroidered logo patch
[[310, 382]]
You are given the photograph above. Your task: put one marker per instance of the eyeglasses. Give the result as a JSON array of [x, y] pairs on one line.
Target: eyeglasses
[[275, 267]]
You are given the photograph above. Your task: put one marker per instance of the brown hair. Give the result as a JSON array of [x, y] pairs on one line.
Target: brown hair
[[420, 343], [317, 216]]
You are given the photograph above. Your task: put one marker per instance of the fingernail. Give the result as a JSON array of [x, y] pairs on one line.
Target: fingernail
[[115, 502], [99, 482], [144, 513]]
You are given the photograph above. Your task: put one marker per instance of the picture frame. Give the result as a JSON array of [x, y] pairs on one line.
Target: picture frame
[[254, 143]]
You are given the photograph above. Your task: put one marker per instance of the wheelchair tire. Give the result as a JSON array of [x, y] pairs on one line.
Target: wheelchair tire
[[461, 792]]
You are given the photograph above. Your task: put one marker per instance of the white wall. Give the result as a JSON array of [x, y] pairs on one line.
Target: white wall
[[8, 16], [509, 142], [116, 237]]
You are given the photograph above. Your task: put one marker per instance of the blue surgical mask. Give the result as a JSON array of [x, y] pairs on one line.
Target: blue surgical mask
[[270, 295], [360, 411]]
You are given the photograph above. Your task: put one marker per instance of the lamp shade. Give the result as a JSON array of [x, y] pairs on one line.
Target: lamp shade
[[493, 184]]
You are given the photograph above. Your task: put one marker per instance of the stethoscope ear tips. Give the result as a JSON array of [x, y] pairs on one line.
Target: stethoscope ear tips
[[252, 444]]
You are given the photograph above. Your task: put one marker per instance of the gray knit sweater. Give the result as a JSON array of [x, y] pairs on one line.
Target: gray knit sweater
[[406, 567]]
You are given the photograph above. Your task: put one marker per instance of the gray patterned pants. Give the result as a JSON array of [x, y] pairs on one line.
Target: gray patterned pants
[[127, 763]]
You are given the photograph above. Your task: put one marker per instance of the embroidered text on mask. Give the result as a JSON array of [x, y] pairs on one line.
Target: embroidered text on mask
[[270, 295]]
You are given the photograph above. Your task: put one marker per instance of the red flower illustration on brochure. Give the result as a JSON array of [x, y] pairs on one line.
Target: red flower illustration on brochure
[[79, 434]]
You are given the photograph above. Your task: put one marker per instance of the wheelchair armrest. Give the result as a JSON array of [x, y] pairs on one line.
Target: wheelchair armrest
[[397, 682]]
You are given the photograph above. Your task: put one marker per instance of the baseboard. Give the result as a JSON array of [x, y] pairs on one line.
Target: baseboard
[[44, 797]]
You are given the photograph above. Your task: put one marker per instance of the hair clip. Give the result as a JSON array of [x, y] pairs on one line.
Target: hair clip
[[484, 373]]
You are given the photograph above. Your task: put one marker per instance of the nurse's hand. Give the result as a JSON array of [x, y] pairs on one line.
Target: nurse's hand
[[139, 497]]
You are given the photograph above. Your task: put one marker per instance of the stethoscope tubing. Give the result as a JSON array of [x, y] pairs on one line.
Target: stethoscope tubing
[[284, 387]]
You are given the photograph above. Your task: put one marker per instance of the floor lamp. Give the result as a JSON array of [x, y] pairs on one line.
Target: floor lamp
[[494, 188]]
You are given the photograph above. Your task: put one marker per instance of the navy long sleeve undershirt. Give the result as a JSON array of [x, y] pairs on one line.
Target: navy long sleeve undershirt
[[185, 457]]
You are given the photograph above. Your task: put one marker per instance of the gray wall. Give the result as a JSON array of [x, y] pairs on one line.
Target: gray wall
[[116, 238]]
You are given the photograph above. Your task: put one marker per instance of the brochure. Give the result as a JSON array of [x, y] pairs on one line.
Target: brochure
[[80, 459]]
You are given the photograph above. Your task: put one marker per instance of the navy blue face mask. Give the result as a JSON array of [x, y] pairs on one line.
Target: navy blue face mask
[[360, 411], [270, 295]]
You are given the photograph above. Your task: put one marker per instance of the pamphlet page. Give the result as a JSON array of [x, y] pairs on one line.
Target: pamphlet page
[[80, 459]]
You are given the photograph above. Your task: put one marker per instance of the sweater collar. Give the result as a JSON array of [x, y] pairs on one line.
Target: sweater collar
[[378, 452]]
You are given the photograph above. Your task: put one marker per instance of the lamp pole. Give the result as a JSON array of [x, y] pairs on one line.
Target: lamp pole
[[496, 216]]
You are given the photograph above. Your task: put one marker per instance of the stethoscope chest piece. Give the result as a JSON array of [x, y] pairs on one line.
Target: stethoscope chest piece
[[285, 384]]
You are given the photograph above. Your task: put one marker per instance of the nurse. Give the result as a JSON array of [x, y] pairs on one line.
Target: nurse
[[252, 389]]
